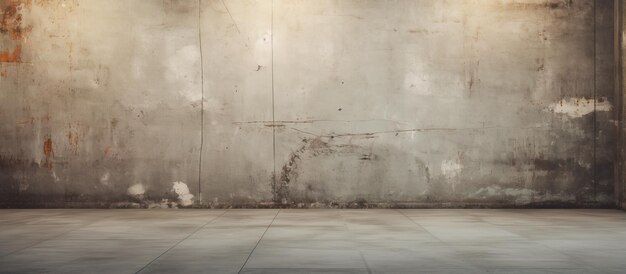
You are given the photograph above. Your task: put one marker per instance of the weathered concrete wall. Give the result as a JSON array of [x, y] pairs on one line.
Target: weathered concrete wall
[[620, 62], [307, 103]]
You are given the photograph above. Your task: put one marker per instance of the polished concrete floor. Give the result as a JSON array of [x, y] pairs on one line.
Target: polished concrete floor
[[313, 241]]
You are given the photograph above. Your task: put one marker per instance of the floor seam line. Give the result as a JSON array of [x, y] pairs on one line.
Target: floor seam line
[[258, 242], [469, 262], [417, 224], [53, 238], [345, 224], [183, 239]]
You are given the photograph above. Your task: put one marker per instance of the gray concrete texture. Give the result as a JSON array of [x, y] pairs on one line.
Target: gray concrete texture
[[263, 103], [313, 241]]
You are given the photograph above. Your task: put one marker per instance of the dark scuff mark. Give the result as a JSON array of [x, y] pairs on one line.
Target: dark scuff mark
[[258, 67], [114, 122], [367, 157], [472, 75], [540, 64], [543, 164], [275, 125], [559, 4]]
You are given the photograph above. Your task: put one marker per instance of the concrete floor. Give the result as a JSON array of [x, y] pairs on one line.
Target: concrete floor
[[312, 241]]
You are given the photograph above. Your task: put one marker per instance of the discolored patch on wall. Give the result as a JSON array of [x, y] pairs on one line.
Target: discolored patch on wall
[[11, 29], [349, 172], [48, 152]]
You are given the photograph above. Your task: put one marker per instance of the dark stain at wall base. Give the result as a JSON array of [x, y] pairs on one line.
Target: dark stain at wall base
[[60, 201], [289, 171]]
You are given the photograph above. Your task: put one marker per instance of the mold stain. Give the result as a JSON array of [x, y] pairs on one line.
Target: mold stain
[[311, 148], [48, 152], [287, 174]]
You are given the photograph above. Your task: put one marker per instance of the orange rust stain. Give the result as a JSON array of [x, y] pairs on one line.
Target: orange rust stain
[[11, 21], [11, 27], [48, 151], [110, 152], [13, 56]]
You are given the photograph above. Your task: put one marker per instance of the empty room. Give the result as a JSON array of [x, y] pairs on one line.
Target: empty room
[[312, 136]]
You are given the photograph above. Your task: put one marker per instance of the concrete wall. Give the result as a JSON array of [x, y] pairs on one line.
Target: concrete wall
[[307, 103], [620, 62]]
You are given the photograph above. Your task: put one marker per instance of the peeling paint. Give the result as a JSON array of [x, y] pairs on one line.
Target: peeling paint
[[185, 198], [104, 179], [55, 177], [136, 189], [451, 168], [579, 107]]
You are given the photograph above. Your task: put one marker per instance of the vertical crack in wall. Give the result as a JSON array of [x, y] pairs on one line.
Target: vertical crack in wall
[[620, 187], [595, 99], [201, 102], [273, 103]]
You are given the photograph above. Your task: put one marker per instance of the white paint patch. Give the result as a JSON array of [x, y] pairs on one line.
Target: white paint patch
[[136, 189], [186, 198], [104, 179], [55, 177], [451, 168], [579, 107]]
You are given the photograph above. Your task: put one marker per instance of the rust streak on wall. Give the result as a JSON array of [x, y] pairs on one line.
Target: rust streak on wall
[[48, 151]]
